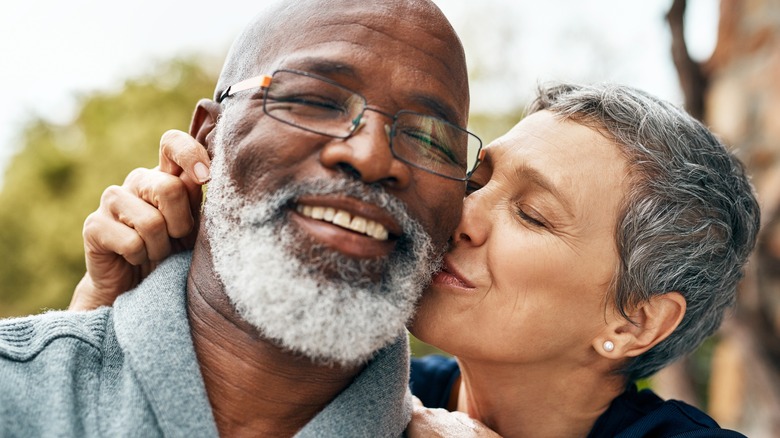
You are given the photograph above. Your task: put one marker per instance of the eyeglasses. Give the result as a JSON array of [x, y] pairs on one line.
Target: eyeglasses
[[319, 105]]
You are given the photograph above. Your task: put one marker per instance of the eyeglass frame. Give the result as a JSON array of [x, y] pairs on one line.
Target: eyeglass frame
[[263, 82]]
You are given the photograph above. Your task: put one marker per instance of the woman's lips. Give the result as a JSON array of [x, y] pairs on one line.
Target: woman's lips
[[449, 276]]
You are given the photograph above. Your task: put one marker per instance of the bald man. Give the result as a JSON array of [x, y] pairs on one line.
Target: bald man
[[337, 176]]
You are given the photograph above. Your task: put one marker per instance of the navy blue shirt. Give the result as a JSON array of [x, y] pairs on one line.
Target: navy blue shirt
[[632, 414]]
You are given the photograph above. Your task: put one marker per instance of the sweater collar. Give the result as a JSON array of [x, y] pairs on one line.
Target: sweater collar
[[154, 332], [152, 327], [377, 403]]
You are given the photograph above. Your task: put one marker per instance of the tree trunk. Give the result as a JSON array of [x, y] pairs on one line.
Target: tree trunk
[[737, 93]]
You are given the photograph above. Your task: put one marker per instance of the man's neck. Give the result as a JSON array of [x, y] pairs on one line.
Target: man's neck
[[254, 387]]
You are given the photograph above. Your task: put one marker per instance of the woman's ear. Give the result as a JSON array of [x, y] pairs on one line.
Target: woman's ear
[[204, 120], [651, 322]]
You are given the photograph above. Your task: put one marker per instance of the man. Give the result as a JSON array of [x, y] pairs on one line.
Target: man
[[337, 177]]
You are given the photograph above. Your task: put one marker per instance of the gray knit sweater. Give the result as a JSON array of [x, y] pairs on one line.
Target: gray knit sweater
[[131, 371]]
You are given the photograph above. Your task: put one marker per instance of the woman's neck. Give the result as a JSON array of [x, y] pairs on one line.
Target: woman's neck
[[537, 400]]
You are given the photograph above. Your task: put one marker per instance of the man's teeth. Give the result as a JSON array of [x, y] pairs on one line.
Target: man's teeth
[[343, 219]]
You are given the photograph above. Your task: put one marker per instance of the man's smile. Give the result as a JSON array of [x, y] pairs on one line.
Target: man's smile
[[344, 219], [353, 227]]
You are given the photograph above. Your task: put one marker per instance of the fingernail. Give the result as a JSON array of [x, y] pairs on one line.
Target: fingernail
[[202, 172]]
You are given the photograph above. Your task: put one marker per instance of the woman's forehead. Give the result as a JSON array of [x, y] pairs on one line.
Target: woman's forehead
[[545, 144]]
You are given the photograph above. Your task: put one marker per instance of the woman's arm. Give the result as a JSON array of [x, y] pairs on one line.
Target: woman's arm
[[152, 214]]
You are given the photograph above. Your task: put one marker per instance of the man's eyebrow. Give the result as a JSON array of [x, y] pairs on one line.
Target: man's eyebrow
[[537, 178], [438, 108], [323, 67]]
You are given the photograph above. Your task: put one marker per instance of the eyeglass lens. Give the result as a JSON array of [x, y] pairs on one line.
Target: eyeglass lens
[[326, 108]]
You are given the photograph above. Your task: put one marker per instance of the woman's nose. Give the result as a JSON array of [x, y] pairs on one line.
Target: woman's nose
[[475, 222]]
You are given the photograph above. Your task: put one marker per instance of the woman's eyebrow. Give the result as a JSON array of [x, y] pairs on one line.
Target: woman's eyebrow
[[539, 179]]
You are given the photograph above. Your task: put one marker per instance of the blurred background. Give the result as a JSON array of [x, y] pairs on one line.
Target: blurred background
[[89, 86]]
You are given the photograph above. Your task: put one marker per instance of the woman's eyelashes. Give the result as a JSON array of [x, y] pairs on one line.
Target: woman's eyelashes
[[530, 217]]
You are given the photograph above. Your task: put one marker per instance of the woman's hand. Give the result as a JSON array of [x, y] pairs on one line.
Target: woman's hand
[[154, 213], [443, 423]]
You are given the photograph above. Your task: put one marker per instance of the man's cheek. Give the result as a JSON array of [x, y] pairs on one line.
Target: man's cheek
[[447, 208], [451, 200]]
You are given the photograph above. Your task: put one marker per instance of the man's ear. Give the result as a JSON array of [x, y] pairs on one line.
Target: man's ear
[[204, 120], [653, 321]]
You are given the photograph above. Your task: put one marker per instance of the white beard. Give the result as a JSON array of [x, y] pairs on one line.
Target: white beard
[[287, 296]]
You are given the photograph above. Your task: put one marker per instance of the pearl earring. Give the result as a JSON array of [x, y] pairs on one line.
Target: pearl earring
[[608, 346]]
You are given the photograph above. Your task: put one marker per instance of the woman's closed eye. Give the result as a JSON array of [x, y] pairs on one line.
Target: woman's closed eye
[[531, 217]]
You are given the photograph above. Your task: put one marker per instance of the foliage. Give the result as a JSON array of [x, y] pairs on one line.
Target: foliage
[[56, 179]]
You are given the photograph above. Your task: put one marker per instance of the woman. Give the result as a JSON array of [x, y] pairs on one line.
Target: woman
[[602, 238]]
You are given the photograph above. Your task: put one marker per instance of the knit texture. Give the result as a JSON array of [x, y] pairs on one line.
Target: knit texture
[[131, 371]]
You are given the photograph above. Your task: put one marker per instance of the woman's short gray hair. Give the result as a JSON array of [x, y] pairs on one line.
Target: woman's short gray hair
[[689, 218]]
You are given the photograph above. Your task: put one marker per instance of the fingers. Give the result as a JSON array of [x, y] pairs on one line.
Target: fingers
[[441, 423], [181, 155], [126, 226], [179, 152], [133, 227], [152, 203]]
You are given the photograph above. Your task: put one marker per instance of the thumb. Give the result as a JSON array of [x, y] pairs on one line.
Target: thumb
[[181, 153]]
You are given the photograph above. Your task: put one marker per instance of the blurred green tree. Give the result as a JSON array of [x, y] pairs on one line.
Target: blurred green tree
[[57, 177]]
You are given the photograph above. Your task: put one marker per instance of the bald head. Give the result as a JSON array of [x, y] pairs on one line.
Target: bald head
[[392, 30]]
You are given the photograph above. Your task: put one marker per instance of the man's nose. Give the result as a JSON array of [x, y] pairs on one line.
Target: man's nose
[[367, 154]]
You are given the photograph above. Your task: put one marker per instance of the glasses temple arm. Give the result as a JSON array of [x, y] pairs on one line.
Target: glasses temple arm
[[262, 81]]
